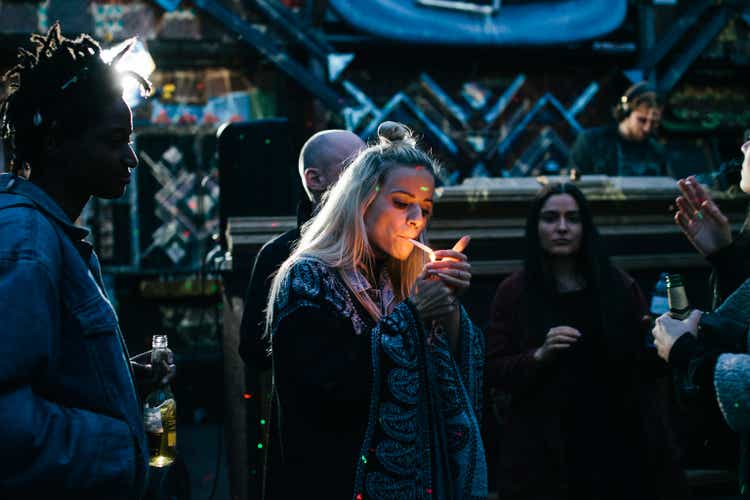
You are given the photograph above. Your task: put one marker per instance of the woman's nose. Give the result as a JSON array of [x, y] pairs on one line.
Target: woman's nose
[[414, 216]]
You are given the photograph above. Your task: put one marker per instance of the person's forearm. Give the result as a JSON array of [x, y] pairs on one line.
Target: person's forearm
[[452, 325]]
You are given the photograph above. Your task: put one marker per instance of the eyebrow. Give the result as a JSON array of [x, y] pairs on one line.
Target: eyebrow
[[408, 194], [560, 212]]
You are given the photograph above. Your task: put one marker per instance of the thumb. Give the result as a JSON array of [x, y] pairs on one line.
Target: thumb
[[462, 243]]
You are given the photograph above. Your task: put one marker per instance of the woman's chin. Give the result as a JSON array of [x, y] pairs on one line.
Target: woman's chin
[[401, 251]]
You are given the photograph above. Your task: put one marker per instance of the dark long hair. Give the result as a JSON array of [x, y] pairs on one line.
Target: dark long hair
[[604, 283]]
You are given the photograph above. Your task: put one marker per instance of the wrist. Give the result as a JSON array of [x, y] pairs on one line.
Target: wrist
[[537, 355]]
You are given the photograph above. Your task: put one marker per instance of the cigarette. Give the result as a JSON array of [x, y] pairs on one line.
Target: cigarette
[[424, 248]]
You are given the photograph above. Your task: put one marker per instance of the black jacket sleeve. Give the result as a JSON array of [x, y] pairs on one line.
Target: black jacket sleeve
[[731, 267], [253, 348]]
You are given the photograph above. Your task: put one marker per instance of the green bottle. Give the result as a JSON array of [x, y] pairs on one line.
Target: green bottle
[[679, 307]]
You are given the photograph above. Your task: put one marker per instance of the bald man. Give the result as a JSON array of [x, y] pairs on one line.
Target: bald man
[[322, 159]]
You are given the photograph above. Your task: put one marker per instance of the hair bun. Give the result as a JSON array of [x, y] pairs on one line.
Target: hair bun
[[391, 132]]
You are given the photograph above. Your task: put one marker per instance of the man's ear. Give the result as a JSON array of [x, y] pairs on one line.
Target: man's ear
[[314, 180]]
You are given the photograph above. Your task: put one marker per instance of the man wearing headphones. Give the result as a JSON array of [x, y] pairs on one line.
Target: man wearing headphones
[[627, 147]]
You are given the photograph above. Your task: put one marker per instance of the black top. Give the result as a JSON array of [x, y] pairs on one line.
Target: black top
[[270, 257], [603, 150], [592, 389], [587, 424]]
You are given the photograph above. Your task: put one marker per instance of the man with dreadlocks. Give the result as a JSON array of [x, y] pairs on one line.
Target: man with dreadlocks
[[70, 417]]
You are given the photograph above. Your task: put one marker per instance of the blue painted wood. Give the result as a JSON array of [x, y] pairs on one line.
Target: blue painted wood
[[545, 23]]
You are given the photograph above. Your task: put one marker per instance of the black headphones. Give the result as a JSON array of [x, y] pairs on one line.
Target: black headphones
[[623, 108]]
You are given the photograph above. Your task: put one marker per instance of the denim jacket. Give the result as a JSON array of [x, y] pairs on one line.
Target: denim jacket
[[70, 417]]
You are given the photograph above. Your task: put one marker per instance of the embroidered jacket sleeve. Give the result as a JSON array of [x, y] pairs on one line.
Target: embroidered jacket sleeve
[[423, 426], [732, 382], [471, 360], [42, 441], [316, 351]]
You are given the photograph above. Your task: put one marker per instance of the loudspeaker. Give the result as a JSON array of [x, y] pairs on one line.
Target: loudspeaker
[[257, 170]]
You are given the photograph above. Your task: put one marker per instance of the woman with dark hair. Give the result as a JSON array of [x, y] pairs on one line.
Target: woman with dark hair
[[567, 342]]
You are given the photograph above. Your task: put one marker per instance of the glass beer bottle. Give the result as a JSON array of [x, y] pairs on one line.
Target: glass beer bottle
[[160, 412]]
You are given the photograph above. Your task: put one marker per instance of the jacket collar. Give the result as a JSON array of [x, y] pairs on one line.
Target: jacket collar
[[13, 184], [383, 295]]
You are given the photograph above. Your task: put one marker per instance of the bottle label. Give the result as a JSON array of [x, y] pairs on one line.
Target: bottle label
[[152, 420]]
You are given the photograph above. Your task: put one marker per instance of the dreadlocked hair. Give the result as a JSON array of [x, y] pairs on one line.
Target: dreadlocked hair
[[57, 88]]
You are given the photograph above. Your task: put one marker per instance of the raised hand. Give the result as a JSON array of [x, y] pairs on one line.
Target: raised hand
[[558, 339], [700, 219], [452, 267]]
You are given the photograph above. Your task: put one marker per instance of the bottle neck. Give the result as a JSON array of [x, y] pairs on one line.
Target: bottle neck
[[159, 342]]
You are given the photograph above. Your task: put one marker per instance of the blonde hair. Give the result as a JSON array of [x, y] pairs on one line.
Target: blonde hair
[[337, 235]]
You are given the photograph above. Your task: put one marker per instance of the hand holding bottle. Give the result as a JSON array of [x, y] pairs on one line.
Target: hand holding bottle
[[700, 219], [147, 373], [160, 409], [667, 330], [558, 339]]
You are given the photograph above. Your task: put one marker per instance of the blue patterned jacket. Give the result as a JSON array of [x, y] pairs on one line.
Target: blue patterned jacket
[[371, 410]]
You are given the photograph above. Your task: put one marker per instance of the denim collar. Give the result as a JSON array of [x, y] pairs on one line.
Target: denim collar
[[14, 184]]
